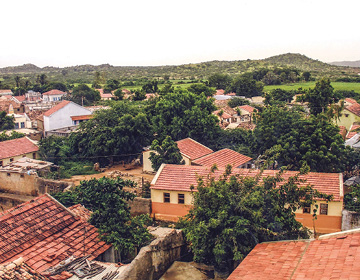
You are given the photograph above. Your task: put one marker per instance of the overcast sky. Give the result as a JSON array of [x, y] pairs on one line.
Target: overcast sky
[[157, 32]]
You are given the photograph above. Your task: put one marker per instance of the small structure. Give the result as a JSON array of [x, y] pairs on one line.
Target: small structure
[[332, 256], [4, 92], [53, 95], [350, 114], [28, 165], [12, 150]]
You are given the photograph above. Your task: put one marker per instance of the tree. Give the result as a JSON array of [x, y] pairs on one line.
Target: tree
[[235, 102], [111, 85], [17, 81], [6, 122], [84, 95], [41, 79], [54, 149], [150, 87], [320, 97], [280, 95], [219, 81], [231, 214], [108, 201], [246, 86], [119, 94], [14, 135], [201, 88], [306, 76], [139, 95], [166, 152], [57, 85]]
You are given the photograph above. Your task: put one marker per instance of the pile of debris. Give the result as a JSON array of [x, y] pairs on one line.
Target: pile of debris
[[18, 269]]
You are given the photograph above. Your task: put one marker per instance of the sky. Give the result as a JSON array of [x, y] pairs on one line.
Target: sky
[[158, 32]]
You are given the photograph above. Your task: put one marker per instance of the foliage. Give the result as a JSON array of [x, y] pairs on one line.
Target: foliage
[[6, 122], [352, 199], [201, 88], [246, 86], [119, 94], [235, 102], [57, 85], [139, 95], [280, 95], [14, 135], [108, 201], [84, 95], [54, 149], [111, 85], [219, 81], [166, 152], [231, 214], [151, 87]]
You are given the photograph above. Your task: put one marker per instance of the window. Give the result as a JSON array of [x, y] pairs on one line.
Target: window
[[306, 209], [346, 115], [181, 198], [1, 163], [8, 174], [16, 125], [12, 159], [22, 125], [34, 155], [323, 209], [167, 197]]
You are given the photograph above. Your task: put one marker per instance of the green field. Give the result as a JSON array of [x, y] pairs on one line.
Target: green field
[[337, 86]]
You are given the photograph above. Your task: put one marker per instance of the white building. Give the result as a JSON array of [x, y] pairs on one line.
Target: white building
[[53, 95]]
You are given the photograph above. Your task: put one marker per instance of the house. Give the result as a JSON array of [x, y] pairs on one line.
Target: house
[[224, 157], [106, 96], [350, 114], [4, 92], [21, 120], [53, 95], [65, 114], [172, 186], [352, 131], [343, 132], [222, 116], [11, 107], [246, 114], [19, 98], [44, 233], [12, 150], [32, 96], [189, 149], [332, 256]]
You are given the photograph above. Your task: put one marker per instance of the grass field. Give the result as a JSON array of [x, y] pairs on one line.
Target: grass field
[[336, 85]]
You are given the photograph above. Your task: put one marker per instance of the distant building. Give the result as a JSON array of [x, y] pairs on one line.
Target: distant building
[[12, 150], [53, 95]]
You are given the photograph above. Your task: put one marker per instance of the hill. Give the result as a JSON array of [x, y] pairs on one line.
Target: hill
[[346, 63], [85, 73]]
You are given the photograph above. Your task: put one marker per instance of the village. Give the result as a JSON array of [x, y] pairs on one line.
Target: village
[[137, 214]]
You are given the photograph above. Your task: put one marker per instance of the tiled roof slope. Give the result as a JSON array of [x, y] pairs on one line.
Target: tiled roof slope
[[20, 98], [44, 233], [352, 131], [81, 212], [222, 158], [350, 100], [182, 177], [16, 147], [354, 108], [332, 257], [19, 270], [54, 92], [192, 149], [247, 108], [342, 131], [56, 108]]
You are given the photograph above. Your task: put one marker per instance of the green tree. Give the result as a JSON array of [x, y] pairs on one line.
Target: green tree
[[280, 95], [219, 81], [119, 94], [14, 135], [150, 87], [139, 95], [84, 95], [166, 152], [232, 214], [246, 86], [6, 122], [108, 201], [57, 85], [111, 85], [235, 102], [54, 149], [306, 76], [201, 88], [42, 79]]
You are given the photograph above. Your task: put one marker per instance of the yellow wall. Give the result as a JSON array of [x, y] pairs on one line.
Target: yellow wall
[[347, 121], [6, 161], [158, 196]]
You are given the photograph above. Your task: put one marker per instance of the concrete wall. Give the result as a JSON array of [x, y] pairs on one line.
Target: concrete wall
[[350, 220], [347, 119], [6, 161], [140, 206], [154, 259]]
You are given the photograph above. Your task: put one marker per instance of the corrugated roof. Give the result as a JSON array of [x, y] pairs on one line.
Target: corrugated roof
[[331, 257], [222, 158], [182, 177], [16, 147], [56, 108], [44, 233], [192, 149], [54, 92]]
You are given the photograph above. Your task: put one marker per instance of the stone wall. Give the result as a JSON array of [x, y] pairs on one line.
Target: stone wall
[[154, 259], [350, 220], [140, 206]]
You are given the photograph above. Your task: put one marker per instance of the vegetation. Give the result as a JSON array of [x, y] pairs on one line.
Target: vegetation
[[13, 135], [231, 214], [108, 201], [6, 122]]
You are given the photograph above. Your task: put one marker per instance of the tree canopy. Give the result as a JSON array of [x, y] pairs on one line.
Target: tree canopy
[[6, 122], [84, 95], [245, 85]]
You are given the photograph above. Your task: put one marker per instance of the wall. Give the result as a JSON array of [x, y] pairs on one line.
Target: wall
[[140, 206], [154, 259], [147, 163], [6, 161], [350, 220], [347, 121]]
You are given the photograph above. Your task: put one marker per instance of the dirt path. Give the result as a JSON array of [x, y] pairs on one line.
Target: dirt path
[[128, 171]]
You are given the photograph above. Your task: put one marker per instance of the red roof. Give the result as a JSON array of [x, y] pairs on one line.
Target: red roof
[[182, 177], [2, 91], [332, 256], [222, 158], [354, 108], [20, 98], [45, 233], [192, 149], [352, 131], [350, 100], [224, 114], [101, 90], [81, 212], [56, 108], [106, 95], [54, 92], [82, 117], [220, 92], [247, 108], [342, 131], [17, 147]]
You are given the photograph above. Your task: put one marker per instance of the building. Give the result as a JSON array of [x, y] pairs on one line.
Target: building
[[189, 149], [12, 150], [172, 186], [44, 233], [53, 95], [62, 115], [350, 114], [332, 256], [4, 92]]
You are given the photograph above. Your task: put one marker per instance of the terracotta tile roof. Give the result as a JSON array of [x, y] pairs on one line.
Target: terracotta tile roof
[[352, 131], [354, 108], [81, 212], [101, 90], [106, 95], [56, 108], [82, 117], [182, 177], [342, 131], [329, 257], [20, 98], [45, 233], [5, 104], [54, 92], [247, 108], [19, 270], [350, 100], [222, 158], [192, 149], [6, 91], [224, 114], [16, 147], [220, 92]]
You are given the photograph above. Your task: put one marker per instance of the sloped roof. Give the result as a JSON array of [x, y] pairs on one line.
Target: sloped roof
[[350, 100], [6, 91], [192, 149], [16, 147], [332, 256], [224, 114], [220, 92], [54, 92], [352, 131], [247, 108], [182, 177], [56, 108], [20, 98], [45, 233], [222, 158], [81, 212], [19, 270], [342, 131], [354, 108], [106, 95]]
